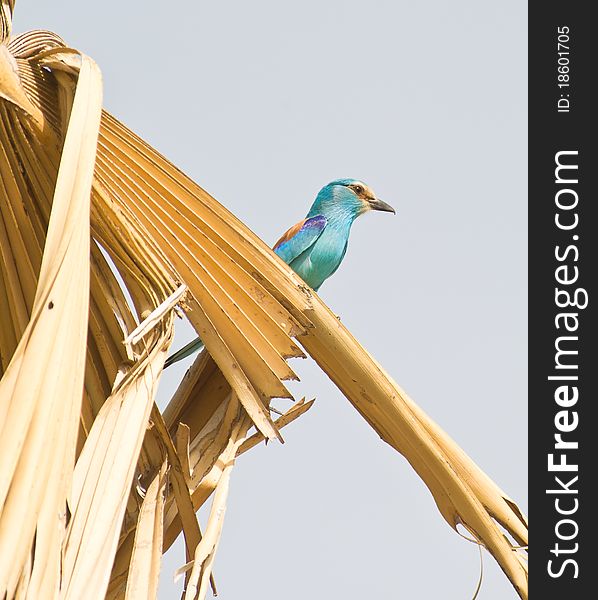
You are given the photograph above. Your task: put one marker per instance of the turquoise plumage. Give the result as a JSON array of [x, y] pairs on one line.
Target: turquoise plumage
[[315, 247]]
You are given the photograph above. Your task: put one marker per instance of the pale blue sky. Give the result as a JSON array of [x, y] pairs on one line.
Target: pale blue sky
[[264, 102]]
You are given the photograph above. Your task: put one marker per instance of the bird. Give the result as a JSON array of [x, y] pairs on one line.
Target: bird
[[316, 246]]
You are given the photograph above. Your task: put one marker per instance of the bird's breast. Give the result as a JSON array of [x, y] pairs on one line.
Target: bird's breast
[[322, 259]]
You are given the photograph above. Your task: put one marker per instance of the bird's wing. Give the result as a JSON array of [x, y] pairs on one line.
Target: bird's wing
[[299, 238]]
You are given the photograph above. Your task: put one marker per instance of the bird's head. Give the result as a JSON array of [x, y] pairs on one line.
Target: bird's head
[[347, 199]]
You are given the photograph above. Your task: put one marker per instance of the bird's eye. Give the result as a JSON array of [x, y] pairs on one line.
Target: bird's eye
[[358, 189]]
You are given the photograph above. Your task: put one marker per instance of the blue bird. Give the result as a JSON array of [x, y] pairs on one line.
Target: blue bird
[[315, 247]]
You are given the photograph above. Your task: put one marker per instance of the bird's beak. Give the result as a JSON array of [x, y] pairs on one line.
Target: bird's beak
[[376, 204]]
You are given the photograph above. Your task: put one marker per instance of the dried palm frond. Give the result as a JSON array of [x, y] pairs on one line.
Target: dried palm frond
[[100, 238]]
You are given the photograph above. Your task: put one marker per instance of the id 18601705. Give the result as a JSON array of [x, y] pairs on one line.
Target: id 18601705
[[563, 68]]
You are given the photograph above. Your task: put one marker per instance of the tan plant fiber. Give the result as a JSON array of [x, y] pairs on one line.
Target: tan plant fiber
[[101, 238]]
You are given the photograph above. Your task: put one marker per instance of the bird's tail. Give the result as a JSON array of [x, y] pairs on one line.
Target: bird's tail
[[185, 351]]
